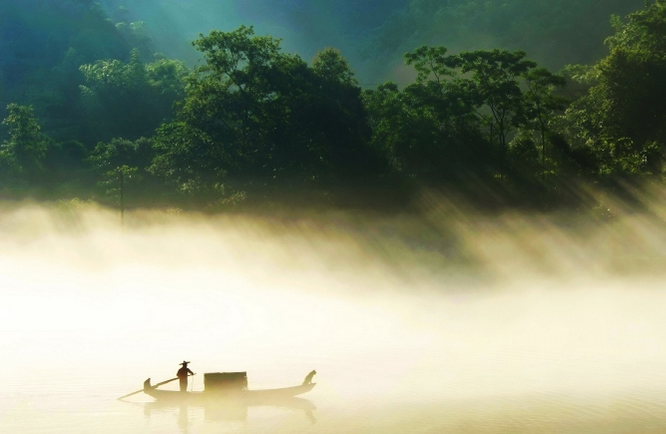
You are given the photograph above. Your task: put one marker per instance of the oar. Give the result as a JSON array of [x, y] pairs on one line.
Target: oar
[[141, 390]]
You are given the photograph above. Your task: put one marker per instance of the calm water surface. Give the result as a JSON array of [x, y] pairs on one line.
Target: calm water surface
[[88, 316]]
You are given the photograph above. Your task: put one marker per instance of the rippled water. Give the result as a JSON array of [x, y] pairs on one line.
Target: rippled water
[[401, 343]]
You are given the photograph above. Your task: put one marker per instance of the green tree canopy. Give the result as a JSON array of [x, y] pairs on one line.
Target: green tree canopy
[[27, 146], [622, 119], [255, 117], [130, 99], [459, 116]]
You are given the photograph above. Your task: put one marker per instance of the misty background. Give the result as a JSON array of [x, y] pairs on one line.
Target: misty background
[[373, 35]]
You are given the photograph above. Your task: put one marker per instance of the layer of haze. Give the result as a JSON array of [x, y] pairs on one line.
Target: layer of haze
[[446, 322], [375, 34], [304, 26]]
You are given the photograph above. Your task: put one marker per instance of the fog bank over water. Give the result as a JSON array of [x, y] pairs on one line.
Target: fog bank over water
[[466, 306], [445, 239]]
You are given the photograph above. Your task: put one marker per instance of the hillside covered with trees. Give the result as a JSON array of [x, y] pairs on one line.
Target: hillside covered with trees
[[94, 111], [553, 33]]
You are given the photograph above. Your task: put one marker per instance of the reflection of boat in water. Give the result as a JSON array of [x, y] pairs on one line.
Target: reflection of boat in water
[[221, 409], [228, 387]]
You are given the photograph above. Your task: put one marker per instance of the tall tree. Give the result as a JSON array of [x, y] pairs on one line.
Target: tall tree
[[542, 103], [495, 78], [337, 118], [26, 148]]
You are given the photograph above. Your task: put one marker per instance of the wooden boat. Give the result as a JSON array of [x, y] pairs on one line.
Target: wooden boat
[[229, 387]]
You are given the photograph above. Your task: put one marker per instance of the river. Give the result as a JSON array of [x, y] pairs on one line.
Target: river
[[503, 325]]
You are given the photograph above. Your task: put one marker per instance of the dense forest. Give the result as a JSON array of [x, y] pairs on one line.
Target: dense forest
[[101, 105]]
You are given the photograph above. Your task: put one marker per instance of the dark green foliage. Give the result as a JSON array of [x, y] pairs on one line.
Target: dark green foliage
[[494, 81], [107, 157], [622, 119], [32, 161], [136, 35], [255, 124], [190, 163], [37, 34], [429, 131], [121, 169], [338, 121], [255, 118], [42, 45], [68, 156], [26, 148], [458, 118], [130, 99]]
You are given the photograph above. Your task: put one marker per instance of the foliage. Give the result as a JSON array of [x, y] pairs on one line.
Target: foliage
[[118, 152], [494, 79], [130, 99], [456, 119], [90, 103], [121, 168], [623, 117], [256, 118], [137, 37], [26, 147], [540, 104], [42, 45]]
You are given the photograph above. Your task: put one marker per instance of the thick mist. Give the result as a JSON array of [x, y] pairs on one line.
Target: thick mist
[[438, 320], [420, 271]]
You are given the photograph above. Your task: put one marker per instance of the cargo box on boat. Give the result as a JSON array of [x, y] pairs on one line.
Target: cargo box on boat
[[215, 381]]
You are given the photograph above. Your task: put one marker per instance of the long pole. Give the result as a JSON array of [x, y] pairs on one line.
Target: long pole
[[154, 386]]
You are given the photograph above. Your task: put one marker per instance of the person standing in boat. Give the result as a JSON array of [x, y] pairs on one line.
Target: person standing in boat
[[182, 375]]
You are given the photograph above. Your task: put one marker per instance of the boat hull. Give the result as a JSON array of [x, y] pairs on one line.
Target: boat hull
[[249, 397]]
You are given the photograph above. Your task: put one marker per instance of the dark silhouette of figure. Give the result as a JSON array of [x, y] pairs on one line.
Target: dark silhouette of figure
[[308, 378], [182, 375]]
